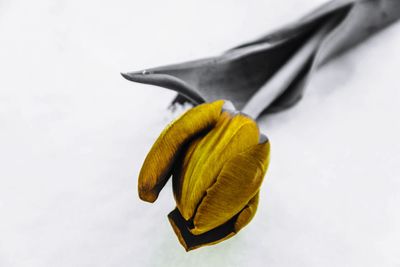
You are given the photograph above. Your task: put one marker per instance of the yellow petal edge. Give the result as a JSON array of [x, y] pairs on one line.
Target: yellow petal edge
[[238, 182], [231, 135], [184, 229], [157, 166]]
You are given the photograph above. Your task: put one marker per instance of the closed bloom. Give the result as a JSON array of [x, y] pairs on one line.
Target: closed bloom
[[217, 158]]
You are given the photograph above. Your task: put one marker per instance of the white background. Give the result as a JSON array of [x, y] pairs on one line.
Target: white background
[[73, 135]]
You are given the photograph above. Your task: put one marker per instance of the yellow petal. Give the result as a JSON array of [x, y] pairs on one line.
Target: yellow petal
[[247, 214], [238, 182], [231, 135], [190, 241], [182, 163], [156, 168]]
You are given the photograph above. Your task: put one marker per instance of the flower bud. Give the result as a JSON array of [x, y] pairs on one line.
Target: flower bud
[[218, 160]]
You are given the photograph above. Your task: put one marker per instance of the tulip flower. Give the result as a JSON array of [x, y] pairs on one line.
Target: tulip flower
[[217, 158], [215, 154]]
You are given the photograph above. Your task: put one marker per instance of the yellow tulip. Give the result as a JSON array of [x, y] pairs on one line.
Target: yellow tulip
[[218, 160]]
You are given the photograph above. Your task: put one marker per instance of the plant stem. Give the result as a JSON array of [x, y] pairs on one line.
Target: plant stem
[[277, 84]]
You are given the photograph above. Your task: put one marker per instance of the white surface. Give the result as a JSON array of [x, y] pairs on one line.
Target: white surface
[[73, 135]]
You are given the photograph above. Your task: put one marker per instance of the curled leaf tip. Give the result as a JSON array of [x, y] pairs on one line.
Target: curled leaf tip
[[128, 76], [142, 76]]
